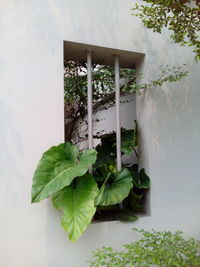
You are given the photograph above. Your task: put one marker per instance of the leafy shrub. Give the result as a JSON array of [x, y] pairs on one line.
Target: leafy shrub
[[155, 248]]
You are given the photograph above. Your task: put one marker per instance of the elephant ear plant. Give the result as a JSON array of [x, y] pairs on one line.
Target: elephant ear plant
[[63, 171], [127, 187], [63, 174]]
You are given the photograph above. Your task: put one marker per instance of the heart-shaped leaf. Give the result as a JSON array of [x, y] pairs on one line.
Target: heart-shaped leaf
[[115, 189], [129, 141], [140, 179], [77, 205], [58, 167]]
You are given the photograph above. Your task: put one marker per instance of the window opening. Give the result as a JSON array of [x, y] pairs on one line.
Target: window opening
[[93, 85]]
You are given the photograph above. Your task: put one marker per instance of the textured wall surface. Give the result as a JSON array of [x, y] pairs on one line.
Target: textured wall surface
[[31, 116]]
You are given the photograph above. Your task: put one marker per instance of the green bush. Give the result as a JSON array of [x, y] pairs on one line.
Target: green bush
[[155, 248]]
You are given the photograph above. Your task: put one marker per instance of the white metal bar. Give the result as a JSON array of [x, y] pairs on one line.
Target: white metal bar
[[89, 95], [118, 117]]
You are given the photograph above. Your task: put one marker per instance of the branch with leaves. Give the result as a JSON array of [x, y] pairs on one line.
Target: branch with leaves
[[75, 90], [75, 80], [182, 17], [167, 74]]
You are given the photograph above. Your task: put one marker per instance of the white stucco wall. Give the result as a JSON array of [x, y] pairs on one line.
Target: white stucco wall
[[31, 116]]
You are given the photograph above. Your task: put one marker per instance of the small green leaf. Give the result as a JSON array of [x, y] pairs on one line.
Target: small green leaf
[[58, 167], [77, 205], [140, 179], [144, 179]]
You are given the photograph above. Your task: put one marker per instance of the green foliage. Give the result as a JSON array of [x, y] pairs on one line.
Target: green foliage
[[141, 180], [115, 188], [128, 187], [129, 141], [62, 173], [107, 149], [181, 17], [164, 249], [75, 88], [77, 204], [103, 82], [57, 169], [167, 74]]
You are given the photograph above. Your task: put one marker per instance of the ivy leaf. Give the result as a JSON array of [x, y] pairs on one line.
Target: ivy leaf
[[58, 167], [77, 205], [115, 189]]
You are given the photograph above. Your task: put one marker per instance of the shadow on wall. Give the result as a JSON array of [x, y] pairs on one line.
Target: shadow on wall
[[169, 121], [165, 112]]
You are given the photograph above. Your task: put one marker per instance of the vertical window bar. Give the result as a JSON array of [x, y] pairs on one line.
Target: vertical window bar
[[118, 117], [89, 95]]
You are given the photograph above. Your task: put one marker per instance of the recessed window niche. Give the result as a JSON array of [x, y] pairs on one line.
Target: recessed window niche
[[100, 113]]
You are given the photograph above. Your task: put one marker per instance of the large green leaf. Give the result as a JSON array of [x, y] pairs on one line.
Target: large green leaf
[[77, 205], [58, 167], [116, 188]]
